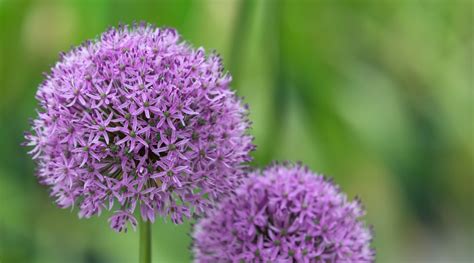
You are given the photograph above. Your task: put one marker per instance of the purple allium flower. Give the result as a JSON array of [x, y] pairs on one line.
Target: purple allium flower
[[138, 117], [287, 215]]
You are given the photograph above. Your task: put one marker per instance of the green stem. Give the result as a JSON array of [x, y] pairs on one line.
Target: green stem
[[241, 32], [145, 241]]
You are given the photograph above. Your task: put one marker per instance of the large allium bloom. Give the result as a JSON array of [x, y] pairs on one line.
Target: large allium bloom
[[287, 215], [137, 117]]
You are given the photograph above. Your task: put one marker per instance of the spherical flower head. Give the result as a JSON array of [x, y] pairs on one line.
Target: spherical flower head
[[138, 117], [287, 215]]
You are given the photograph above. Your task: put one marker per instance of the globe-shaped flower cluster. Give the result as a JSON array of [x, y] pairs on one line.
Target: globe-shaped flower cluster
[[287, 215], [137, 117]]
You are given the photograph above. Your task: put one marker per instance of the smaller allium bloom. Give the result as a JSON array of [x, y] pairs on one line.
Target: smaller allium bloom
[[286, 214], [139, 120]]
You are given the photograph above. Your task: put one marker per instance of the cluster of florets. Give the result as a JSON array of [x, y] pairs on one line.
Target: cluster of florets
[[287, 215], [139, 118]]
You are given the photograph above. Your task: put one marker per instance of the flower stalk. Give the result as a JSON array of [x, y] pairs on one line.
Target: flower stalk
[[145, 241]]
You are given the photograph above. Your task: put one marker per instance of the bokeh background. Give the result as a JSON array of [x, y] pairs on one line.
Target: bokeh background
[[377, 94]]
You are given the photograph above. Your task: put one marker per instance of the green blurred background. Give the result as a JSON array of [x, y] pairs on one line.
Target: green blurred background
[[377, 94]]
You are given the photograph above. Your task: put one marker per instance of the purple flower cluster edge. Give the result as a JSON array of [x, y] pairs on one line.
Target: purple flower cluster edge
[[284, 214], [138, 117]]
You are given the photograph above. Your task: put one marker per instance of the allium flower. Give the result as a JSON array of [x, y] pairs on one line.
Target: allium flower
[[138, 117], [287, 215]]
